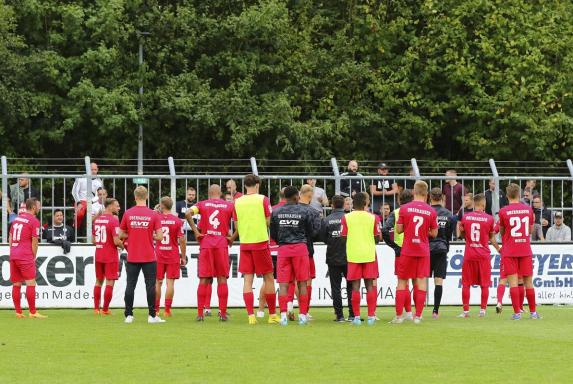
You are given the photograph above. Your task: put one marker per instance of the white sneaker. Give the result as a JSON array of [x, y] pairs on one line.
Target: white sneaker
[[290, 306], [155, 320], [260, 314], [396, 320], [309, 317], [376, 318], [417, 320], [464, 315], [409, 316], [128, 320], [482, 313]]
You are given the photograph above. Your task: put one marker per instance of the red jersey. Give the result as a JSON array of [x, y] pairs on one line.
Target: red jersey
[[237, 195], [516, 219], [23, 229], [140, 223], [477, 227], [418, 219], [105, 228], [168, 248], [215, 222]]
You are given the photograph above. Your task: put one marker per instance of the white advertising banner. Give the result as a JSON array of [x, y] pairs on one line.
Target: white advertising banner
[[66, 281]]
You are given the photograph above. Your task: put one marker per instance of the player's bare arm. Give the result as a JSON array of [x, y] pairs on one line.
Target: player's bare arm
[[460, 230], [493, 241], [122, 234], [433, 233], [118, 242], [183, 248], [158, 235], [399, 228], [35, 246]]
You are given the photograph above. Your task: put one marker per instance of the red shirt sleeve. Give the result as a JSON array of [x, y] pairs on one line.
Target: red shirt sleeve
[[114, 226], [343, 227], [123, 224], [156, 222], [377, 231], [433, 220], [267, 206], [501, 222], [36, 228], [180, 232]]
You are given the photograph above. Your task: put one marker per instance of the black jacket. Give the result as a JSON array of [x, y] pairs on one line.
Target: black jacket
[[330, 235], [291, 224], [446, 222], [489, 201], [388, 230], [63, 236], [316, 222]]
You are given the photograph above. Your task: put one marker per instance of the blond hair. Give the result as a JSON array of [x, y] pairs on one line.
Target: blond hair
[[421, 188], [513, 191], [166, 202], [140, 193], [306, 188]]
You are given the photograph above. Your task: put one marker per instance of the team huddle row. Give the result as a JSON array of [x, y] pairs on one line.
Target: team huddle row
[[156, 247]]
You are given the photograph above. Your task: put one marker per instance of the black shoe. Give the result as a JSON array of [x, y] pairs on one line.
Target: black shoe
[[340, 320], [199, 318]]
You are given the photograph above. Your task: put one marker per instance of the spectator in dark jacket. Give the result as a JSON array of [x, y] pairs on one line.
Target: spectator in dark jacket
[[336, 257], [489, 198], [19, 192], [59, 233], [542, 215], [453, 191], [351, 187]]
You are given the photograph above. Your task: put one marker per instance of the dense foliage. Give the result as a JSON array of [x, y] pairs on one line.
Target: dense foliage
[[441, 79]]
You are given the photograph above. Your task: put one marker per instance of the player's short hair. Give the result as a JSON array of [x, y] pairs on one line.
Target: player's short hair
[[359, 200], [109, 201], [479, 198], [140, 193], [251, 180], [290, 192], [436, 194], [420, 188], [306, 188], [406, 196], [31, 203], [513, 191], [166, 202], [337, 201]]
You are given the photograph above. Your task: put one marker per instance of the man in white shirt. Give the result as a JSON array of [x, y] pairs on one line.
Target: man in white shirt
[[98, 202], [319, 198], [558, 231], [80, 193]]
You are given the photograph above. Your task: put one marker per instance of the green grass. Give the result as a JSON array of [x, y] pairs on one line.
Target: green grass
[[74, 346]]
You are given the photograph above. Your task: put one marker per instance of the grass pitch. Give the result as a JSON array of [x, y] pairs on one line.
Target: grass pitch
[[74, 346]]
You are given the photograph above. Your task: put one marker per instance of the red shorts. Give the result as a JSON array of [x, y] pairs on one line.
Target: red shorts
[[311, 268], [476, 272], [521, 266], [413, 267], [396, 265], [169, 270], [256, 262], [21, 270], [293, 268], [357, 271], [107, 271], [213, 262]]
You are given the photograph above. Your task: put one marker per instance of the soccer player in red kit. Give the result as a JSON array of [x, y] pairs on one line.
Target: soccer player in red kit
[[418, 221], [169, 259], [515, 226], [23, 240], [106, 239], [141, 225], [478, 229], [213, 238]]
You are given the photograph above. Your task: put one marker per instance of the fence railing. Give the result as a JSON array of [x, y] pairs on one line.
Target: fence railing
[[54, 189]]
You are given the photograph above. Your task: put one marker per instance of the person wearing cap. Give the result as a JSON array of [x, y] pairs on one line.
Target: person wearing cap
[[385, 190], [558, 231]]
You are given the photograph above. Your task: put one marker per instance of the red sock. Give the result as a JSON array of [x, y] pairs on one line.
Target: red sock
[[309, 294], [208, 293], [407, 300], [356, 303], [31, 298], [521, 295], [271, 302], [371, 300], [401, 296], [283, 303], [17, 297], [157, 305], [500, 293], [466, 297], [107, 295], [249, 299], [290, 292], [514, 294], [201, 298], [97, 296], [168, 303], [303, 304], [223, 294], [530, 292], [484, 297], [419, 301]]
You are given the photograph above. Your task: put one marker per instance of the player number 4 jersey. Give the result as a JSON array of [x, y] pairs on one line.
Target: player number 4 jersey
[[217, 214], [418, 219]]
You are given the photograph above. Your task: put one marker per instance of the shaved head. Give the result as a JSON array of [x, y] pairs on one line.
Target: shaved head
[[214, 191]]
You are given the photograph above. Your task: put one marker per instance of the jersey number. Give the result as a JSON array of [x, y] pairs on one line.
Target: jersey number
[[418, 220], [213, 220], [165, 239], [100, 234], [515, 224], [17, 232], [475, 232]]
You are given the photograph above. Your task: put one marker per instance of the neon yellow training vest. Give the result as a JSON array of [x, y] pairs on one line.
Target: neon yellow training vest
[[251, 220], [360, 245], [398, 237]]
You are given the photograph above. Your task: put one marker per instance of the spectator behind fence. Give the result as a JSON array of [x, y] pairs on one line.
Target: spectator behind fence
[[527, 196], [20, 191], [319, 198], [558, 231], [385, 212], [407, 184], [531, 185], [542, 215], [467, 207], [453, 192], [348, 204], [489, 198], [181, 208], [80, 193], [98, 202], [351, 187], [231, 186], [59, 233], [382, 191]]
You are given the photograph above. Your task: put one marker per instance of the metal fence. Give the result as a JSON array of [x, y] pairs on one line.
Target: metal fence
[[53, 179]]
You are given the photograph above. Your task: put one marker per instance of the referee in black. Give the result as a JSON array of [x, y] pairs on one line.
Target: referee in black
[[336, 257], [439, 247]]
